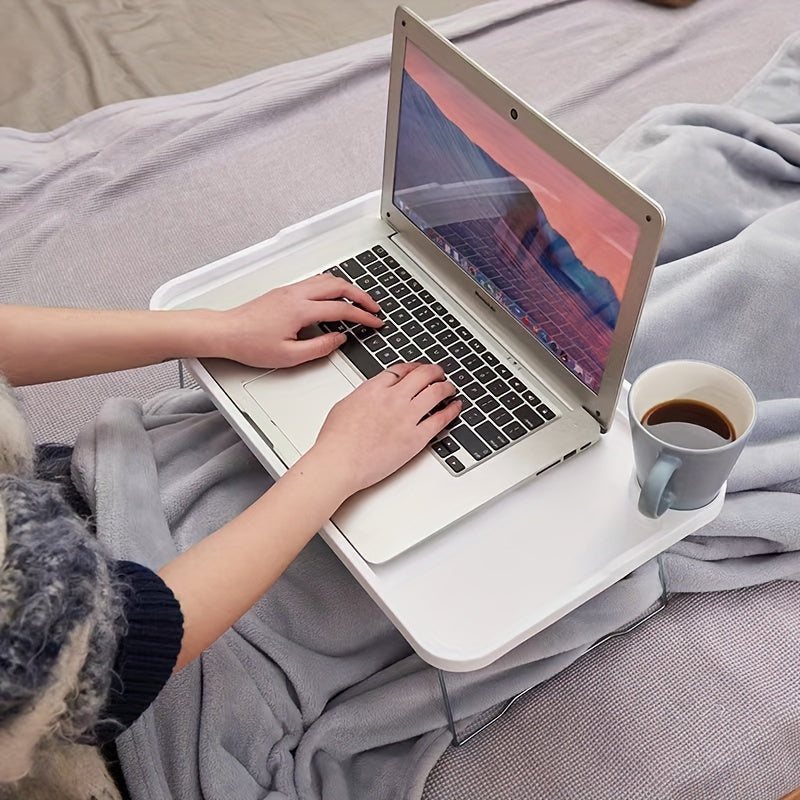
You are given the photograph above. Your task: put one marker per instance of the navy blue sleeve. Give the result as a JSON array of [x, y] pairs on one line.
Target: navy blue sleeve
[[147, 652]]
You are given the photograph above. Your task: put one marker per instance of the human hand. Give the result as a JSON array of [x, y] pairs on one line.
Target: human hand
[[264, 331], [377, 428]]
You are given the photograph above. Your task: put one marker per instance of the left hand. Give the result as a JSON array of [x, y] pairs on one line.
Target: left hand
[[264, 331]]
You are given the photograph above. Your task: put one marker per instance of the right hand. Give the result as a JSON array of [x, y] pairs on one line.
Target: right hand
[[377, 428]]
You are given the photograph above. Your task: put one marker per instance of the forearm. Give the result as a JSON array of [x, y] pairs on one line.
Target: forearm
[[39, 345], [217, 580]]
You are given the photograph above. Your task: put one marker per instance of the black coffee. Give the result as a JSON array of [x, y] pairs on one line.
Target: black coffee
[[689, 423]]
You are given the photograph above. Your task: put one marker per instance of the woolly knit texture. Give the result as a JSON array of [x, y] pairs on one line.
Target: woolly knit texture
[[60, 609]]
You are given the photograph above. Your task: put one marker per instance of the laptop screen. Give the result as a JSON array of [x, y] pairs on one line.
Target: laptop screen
[[548, 248]]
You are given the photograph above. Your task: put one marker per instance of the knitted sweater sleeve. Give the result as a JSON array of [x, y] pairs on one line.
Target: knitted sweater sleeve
[[147, 652]]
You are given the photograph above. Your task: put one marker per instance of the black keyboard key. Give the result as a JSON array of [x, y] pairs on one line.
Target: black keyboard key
[[435, 352], [487, 403], [363, 360], [379, 268], [397, 340], [367, 257], [491, 359], [488, 432], [338, 273], [438, 308], [462, 331], [517, 384], [478, 347], [472, 417], [501, 417], [389, 305], [403, 273], [391, 261], [413, 328], [400, 316], [412, 301], [424, 340], [503, 371], [447, 337], [454, 464], [379, 251], [387, 356], [389, 279], [452, 321], [530, 397], [400, 291], [333, 326], [497, 387], [434, 325], [388, 328], [547, 413], [409, 352], [511, 400], [472, 362], [415, 284], [374, 343], [426, 296], [423, 312], [514, 430], [378, 293], [460, 377], [441, 449], [528, 417], [484, 374], [353, 268], [450, 444], [473, 444], [474, 390], [366, 282], [448, 364], [363, 331], [459, 349]]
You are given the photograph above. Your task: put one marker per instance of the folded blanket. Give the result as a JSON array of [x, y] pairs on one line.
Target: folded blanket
[[313, 694]]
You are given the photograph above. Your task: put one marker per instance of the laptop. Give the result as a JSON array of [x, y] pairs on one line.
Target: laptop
[[502, 250]]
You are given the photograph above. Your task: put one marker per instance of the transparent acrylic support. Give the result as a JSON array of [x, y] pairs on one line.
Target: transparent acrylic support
[[481, 725]]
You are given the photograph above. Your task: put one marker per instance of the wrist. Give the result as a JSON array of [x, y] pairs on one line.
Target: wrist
[[197, 333], [332, 485]]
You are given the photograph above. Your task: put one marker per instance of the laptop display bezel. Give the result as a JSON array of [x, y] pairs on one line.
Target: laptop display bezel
[[646, 214]]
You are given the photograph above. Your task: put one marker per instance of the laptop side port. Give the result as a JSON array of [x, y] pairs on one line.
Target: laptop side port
[[550, 466]]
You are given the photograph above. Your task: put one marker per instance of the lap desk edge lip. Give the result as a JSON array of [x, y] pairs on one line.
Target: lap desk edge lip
[[469, 595]]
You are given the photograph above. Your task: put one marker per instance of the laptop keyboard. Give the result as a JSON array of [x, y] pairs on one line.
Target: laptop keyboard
[[498, 408]]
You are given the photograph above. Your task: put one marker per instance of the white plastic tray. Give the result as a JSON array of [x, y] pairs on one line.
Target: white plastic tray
[[467, 596]]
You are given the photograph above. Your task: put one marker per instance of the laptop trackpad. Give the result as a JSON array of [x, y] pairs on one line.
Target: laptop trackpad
[[297, 400]]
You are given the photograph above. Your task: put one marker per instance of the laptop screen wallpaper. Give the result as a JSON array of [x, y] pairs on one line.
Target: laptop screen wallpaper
[[549, 249]]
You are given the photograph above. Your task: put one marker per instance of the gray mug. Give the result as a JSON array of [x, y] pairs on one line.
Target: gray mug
[[689, 422]]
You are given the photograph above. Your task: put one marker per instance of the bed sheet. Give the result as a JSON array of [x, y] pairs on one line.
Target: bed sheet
[[62, 58]]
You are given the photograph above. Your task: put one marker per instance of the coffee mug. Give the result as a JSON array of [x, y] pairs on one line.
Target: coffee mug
[[689, 422]]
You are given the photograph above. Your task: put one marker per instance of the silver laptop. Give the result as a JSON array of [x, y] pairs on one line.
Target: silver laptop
[[503, 251]]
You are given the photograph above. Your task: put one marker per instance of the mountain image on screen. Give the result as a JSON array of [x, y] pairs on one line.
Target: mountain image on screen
[[491, 224]]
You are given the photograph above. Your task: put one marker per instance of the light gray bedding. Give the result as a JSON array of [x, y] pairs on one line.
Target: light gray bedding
[[104, 209], [315, 697], [62, 58]]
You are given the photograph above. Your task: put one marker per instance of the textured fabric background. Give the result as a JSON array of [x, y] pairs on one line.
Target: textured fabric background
[[62, 58]]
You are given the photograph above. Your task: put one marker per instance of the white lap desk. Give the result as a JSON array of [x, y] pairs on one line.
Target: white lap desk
[[470, 594]]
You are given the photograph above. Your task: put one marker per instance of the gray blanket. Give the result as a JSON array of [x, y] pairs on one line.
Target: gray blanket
[[313, 694]]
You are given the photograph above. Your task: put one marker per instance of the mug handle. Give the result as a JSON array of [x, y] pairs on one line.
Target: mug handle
[[655, 498]]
